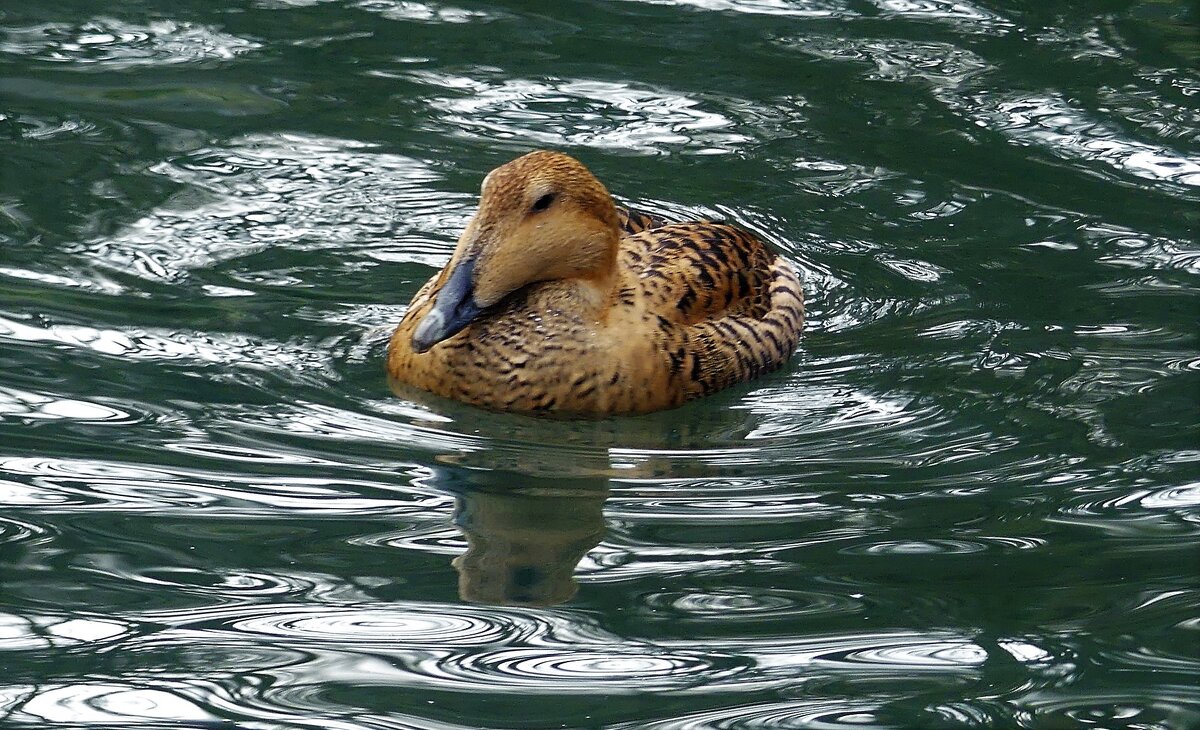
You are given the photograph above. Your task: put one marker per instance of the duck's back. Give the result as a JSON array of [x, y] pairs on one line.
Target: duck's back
[[689, 272], [725, 308]]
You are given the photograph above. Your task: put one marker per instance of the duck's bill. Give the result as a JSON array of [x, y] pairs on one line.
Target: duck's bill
[[453, 309]]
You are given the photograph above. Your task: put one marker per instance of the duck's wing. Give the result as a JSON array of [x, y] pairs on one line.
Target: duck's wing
[[728, 307], [690, 272], [636, 221]]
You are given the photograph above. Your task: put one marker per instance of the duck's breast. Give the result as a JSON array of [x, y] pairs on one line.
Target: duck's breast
[[535, 352]]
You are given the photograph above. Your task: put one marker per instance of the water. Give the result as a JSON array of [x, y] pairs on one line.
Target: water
[[971, 500]]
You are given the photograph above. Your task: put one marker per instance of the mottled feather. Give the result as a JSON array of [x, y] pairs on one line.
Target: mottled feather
[[684, 310]]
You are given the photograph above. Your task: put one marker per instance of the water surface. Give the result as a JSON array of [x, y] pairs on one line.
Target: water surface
[[972, 499]]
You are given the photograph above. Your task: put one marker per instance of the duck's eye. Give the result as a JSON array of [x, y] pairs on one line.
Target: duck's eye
[[543, 202]]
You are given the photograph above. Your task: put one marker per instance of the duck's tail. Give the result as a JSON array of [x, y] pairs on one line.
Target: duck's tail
[[635, 221]]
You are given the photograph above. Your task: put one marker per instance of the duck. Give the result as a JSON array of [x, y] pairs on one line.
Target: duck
[[557, 300]]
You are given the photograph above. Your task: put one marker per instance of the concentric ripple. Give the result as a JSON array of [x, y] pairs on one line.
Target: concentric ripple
[[98, 703], [13, 530], [558, 671], [48, 407], [735, 606], [39, 632], [412, 627], [826, 715]]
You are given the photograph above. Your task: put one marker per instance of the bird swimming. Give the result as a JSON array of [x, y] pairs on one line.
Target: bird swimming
[[557, 300]]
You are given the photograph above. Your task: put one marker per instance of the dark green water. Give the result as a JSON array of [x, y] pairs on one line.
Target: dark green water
[[972, 500]]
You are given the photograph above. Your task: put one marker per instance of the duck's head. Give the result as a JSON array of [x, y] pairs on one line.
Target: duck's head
[[541, 217]]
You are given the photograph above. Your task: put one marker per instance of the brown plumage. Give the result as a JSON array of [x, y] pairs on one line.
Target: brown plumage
[[558, 300]]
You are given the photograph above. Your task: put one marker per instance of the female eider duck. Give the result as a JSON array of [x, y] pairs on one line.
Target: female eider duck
[[557, 300]]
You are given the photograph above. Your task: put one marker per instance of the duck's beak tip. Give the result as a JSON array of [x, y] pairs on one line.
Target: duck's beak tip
[[430, 331]]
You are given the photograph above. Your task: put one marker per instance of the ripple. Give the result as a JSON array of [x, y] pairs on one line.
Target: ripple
[[411, 627], [74, 485], [302, 192], [58, 279], [935, 64], [436, 538], [450, 646], [455, 433], [963, 15], [106, 703], [28, 406], [1174, 706], [16, 494], [244, 453], [615, 563], [780, 8], [1182, 497], [343, 424], [1131, 511], [913, 269], [1086, 40], [43, 631], [862, 420], [1127, 248], [580, 113], [862, 652], [700, 507], [818, 714], [1176, 660], [837, 178], [209, 583], [42, 129], [558, 671], [13, 530], [407, 10], [736, 605], [114, 44], [918, 547], [1148, 110], [1050, 122], [1045, 121], [949, 654], [250, 357], [531, 665]]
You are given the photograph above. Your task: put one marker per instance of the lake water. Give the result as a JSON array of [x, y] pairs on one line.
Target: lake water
[[971, 500]]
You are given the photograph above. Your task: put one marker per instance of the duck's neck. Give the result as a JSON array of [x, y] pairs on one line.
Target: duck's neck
[[594, 291], [593, 297]]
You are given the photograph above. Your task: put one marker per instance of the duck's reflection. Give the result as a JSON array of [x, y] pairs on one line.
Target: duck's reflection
[[523, 544]]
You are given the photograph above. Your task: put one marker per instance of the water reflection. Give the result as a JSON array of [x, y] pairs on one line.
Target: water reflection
[[523, 545]]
